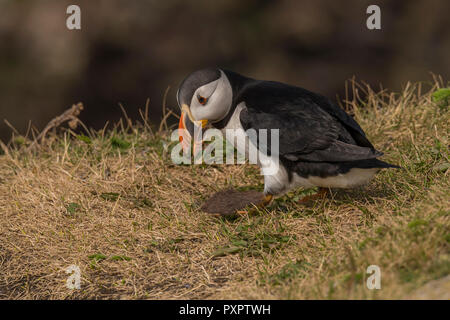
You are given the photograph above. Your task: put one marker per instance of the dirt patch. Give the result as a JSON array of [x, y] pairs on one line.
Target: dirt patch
[[228, 202]]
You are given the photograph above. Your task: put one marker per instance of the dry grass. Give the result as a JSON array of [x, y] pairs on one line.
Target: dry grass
[[114, 204]]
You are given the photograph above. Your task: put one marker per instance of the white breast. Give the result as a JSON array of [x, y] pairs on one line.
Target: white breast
[[235, 124], [275, 175]]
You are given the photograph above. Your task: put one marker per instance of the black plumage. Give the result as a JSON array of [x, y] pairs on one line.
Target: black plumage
[[319, 143], [317, 137]]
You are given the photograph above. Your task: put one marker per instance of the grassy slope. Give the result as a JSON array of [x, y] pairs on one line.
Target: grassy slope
[[116, 206]]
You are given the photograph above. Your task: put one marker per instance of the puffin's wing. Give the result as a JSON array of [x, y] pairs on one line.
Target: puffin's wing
[[350, 124], [307, 131]]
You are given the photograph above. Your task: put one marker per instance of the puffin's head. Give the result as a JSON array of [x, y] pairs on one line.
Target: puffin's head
[[204, 96]]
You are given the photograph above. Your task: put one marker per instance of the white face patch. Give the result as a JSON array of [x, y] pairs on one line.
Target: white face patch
[[219, 97], [206, 91]]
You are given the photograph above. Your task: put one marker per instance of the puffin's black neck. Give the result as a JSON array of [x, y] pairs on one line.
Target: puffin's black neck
[[238, 83]]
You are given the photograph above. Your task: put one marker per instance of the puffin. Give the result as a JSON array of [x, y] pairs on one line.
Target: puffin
[[319, 145]]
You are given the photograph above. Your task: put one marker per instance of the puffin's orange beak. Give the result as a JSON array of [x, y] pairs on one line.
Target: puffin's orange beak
[[183, 134], [188, 129]]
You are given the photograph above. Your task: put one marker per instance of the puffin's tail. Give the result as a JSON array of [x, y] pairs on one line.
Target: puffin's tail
[[374, 163]]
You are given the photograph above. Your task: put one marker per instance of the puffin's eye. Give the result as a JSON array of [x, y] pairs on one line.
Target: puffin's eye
[[202, 100]]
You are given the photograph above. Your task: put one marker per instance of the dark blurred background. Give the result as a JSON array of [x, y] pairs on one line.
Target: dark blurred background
[[128, 51]]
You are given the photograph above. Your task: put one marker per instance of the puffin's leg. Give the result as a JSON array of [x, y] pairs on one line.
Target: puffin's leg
[[322, 193], [265, 201]]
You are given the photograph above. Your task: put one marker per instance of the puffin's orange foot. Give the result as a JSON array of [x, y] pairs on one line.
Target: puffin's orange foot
[[322, 193], [266, 200]]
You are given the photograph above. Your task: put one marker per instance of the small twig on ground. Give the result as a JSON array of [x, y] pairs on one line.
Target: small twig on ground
[[165, 116], [127, 119], [70, 115], [4, 147], [11, 127], [144, 117]]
